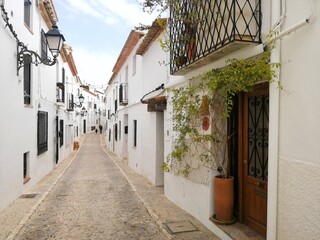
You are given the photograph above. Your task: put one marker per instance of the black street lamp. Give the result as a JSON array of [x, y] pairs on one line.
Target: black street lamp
[[84, 111], [54, 39], [81, 100]]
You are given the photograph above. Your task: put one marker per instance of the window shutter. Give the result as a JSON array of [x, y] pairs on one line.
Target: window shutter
[[44, 46], [63, 82], [61, 133], [42, 136], [135, 133], [116, 132]]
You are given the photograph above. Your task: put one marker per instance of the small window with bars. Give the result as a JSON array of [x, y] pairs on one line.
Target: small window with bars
[[42, 137]]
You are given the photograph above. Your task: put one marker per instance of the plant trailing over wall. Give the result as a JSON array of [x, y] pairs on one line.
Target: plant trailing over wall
[[202, 106], [209, 101]]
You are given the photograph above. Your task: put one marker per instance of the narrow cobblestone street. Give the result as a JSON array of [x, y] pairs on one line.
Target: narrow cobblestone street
[[95, 197], [91, 201]]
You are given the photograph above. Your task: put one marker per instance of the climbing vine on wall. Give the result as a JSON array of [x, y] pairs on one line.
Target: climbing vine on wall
[[208, 100]]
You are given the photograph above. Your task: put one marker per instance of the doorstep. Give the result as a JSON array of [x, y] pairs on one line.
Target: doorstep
[[238, 231]]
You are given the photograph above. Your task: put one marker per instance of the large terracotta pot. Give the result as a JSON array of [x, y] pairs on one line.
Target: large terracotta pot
[[224, 199]]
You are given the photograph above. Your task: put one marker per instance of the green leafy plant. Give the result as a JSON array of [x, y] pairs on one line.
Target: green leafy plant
[[210, 97], [206, 100]]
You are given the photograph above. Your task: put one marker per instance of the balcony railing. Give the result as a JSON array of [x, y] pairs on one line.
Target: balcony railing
[[123, 94], [207, 30]]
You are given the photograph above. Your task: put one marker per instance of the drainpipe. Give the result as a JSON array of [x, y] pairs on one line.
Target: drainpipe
[[274, 132], [292, 28]]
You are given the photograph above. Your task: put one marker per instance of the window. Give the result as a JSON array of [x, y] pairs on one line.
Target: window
[[42, 138], [116, 132], [44, 46], [26, 177], [134, 64], [126, 76], [27, 13], [70, 101], [27, 83], [61, 133], [135, 126], [63, 82], [115, 106]]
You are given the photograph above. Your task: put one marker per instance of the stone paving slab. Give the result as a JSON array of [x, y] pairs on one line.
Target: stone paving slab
[[158, 205], [18, 212], [15, 220]]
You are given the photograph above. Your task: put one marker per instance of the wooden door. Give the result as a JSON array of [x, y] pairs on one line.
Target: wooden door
[[255, 158]]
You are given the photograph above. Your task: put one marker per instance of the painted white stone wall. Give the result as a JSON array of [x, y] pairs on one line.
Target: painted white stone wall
[[18, 123], [193, 197], [299, 136]]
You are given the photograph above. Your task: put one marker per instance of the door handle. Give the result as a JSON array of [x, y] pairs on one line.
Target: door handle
[[260, 185]]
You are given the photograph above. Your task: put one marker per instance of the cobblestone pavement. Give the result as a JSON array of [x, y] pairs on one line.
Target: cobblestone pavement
[[98, 197]]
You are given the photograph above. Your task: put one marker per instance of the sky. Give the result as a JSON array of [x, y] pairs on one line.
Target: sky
[[97, 30]]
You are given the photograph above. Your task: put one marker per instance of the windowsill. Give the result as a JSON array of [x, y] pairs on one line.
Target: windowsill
[[26, 179], [29, 29], [28, 106]]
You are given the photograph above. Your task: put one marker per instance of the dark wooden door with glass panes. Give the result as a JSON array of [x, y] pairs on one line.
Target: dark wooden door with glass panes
[[255, 158]]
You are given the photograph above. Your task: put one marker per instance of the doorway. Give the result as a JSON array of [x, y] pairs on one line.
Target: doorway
[[248, 154], [125, 137]]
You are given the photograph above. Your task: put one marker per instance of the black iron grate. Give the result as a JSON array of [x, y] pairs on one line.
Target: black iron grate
[[200, 27]]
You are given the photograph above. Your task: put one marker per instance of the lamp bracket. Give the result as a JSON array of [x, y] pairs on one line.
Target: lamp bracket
[[26, 56], [77, 105]]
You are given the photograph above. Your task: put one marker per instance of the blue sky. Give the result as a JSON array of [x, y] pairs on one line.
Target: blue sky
[[97, 30]]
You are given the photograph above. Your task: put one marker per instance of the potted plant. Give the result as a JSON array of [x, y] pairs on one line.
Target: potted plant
[[200, 112]]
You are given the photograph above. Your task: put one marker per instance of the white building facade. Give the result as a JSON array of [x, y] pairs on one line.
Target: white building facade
[[135, 131], [37, 130], [293, 158]]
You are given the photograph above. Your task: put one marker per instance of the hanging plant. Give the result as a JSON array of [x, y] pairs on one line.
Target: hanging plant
[[211, 95]]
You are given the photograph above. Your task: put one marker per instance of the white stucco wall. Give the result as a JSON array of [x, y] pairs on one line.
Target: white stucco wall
[[146, 157], [18, 123], [196, 198], [299, 152]]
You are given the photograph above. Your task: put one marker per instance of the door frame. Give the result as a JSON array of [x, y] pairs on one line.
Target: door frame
[[241, 151]]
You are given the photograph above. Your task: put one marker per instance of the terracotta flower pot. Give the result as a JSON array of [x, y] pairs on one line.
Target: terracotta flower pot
[[224, 199]]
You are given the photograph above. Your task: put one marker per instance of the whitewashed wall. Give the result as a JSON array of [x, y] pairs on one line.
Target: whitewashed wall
[[193, 197], [299, 135], [18, 123]]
